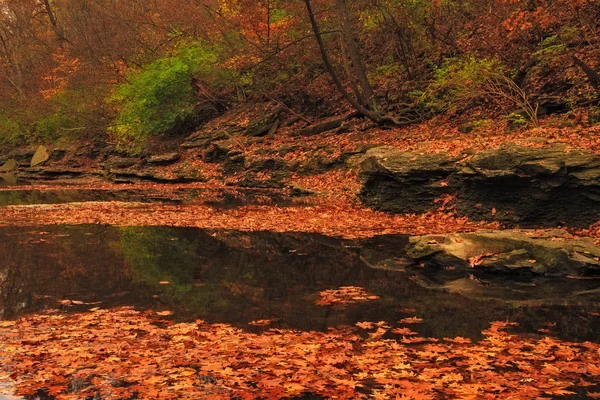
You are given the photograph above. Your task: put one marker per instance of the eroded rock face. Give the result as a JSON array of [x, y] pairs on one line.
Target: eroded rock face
[[264, 124], [514, 185], [163, 159]]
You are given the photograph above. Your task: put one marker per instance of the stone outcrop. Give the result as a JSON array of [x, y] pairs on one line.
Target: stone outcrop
[[550, 253], [9, 166], [514, 185], [267, 123], [204, 138], [163, 159]]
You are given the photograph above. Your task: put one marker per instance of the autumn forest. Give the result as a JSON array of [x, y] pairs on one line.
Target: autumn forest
[[299, 199]]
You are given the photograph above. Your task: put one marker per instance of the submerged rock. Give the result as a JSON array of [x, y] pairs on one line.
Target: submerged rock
[[513, 185]]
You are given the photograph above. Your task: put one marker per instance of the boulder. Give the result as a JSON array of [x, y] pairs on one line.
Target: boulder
[[9, 166], [40, 156], [514, 185], [553, 253]]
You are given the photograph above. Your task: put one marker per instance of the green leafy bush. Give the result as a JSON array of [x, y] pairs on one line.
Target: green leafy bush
[[160, 97], [553, 48], [12, 132], [460, 83]]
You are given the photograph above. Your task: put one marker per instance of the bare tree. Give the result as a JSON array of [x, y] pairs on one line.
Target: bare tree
[[363, 100]]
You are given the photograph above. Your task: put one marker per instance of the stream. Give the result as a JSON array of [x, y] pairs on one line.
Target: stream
[[236, 277]]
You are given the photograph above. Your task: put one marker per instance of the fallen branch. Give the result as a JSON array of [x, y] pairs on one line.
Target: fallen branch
[[325, 126]]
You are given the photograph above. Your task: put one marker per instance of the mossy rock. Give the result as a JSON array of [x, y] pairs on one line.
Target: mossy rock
[[509, 251]]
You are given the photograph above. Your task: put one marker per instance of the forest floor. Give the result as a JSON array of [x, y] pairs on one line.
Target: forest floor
[[319, 174]]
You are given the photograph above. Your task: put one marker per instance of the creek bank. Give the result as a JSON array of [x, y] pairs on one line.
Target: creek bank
[[514, 185]]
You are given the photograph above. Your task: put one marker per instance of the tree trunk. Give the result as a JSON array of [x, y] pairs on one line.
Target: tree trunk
[[336, 80], [57, 29], [349, 73], [593, 76], [354, 54]]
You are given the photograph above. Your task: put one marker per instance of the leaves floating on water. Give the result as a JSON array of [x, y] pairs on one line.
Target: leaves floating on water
[[260, 322], [343, 296], [131, 354]]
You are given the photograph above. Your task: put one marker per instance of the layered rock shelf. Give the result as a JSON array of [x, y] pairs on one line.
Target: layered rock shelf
[[523, 186]]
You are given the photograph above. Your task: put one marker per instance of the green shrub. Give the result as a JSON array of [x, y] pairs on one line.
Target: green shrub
[[553, 48], [12, 132], [516, 121], [52, 127], [160, 97], [460, 83]]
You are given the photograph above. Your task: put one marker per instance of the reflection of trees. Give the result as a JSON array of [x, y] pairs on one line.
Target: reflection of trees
[[237, 277], [241, 276], [42, 265]]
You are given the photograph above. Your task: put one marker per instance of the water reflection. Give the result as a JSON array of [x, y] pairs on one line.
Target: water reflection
[[239, 277], [217, 198]]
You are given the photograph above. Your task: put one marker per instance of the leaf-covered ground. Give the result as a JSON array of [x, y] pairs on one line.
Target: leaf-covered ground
[[336, 218], [123, 353]]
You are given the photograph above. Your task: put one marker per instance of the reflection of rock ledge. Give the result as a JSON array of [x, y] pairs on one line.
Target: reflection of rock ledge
[[7, 178]]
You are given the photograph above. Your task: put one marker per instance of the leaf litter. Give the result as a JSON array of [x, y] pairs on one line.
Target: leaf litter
[[123, 353]]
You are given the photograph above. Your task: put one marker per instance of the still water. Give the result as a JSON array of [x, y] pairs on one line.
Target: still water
[[237, 277]]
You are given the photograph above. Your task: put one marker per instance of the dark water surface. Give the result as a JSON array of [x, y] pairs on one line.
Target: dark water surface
[[238, 277], [229, 198]]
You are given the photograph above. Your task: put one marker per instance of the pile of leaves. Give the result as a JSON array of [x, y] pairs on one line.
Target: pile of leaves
[[343, 296], [123, 353]]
